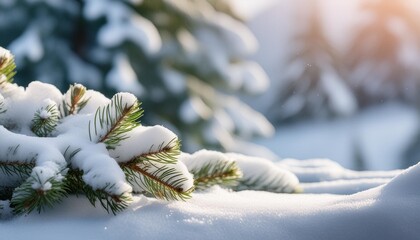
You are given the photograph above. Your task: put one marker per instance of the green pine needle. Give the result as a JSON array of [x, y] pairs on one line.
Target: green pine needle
[[77, 100], [219, 172], [45, 120], [261, 184], [165, 154], [2, 106], [23, 170], [111, 203], [26, 199], [14, 167], [117, 119], [161, 182], [7, 69]]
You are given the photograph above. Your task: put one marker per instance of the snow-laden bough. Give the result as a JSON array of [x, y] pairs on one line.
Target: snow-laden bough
[[81, 142]]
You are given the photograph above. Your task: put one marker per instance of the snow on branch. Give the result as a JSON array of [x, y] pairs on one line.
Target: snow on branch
[[7, 66], [114, 121], [81, 142], [53, 145]]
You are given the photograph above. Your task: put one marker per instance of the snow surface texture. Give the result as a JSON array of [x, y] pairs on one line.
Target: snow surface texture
[[386, 212]]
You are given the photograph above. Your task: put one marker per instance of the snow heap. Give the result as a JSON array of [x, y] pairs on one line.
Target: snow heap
[[54, 144]]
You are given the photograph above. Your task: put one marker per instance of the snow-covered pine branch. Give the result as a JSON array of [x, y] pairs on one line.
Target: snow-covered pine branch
[[95, 147], [154, 167], [2, 105], [113, 121], [45, 119], [169, 182], [20, 155], [7, 66], [53, 145], [74, 100], [249, 173], [110, 202], [263, 175], [212, 168]]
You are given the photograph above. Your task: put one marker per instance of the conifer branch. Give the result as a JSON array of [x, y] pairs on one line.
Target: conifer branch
[[2, 104], [23, 170], [36, 194], [74, 100], [162, 182], [111, 203], [216, 173], [7, 69], [45, 120], [261, 184], [165, 154], [15, 167], [117, 119]]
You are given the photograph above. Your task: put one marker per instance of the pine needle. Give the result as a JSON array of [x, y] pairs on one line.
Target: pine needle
[[111, 203], [165, 154], [117, 120], [7, 69], [163, 182], [27, 199], [74, 100], [219, 172], [45, 120]]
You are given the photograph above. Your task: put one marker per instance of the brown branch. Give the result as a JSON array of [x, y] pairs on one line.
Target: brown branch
[[124, 114]]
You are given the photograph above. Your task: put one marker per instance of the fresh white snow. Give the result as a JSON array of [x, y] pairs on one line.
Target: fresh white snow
[[389, 211]]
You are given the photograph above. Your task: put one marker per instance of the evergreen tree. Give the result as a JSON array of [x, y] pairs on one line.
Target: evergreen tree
[[384, 53], [184, 59], [313, 85]]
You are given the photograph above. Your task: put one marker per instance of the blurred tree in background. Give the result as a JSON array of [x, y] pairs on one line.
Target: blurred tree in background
[[383, 59], [383, 56], [313, 85], [377, 63], [184, 59]]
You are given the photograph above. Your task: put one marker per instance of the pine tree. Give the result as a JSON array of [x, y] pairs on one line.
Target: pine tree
[[383, 54], [184, 59], [313, 85]]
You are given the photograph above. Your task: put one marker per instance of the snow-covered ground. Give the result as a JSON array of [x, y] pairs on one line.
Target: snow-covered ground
[[379, 136], [389, 211]]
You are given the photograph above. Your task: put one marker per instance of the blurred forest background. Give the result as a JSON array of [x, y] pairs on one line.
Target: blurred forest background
[[336, 79]]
